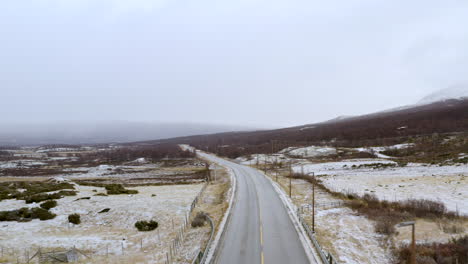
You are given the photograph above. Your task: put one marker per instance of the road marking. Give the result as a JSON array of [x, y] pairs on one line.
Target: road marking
[[261, 236], [262, 257]]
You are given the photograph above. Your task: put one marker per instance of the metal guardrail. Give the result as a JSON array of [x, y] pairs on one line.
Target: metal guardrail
[[178, 241], [221, 233], [325, 256], [198, 257], [208, 245], [195, 201]]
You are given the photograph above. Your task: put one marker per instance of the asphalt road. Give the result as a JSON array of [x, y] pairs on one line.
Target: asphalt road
[[260, 230]]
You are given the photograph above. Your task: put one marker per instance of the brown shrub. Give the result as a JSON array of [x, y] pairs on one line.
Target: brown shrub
[[199, 220], [438, 253]]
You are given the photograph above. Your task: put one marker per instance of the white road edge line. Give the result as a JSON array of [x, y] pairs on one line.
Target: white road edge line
[[212, 249], [291, 208]]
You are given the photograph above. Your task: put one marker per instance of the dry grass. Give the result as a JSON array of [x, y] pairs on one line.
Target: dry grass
[[23, 179], [213, 202], [335, 226]]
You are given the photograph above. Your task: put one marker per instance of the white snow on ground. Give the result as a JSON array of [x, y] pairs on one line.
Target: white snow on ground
[[448, 184], [63, 158], [112, 229], [350, 237], [353, 236], [106, 170], [309, 152], [140, 160], [377, 150], [338, 168], [262, 158], [20, 164], [57, 150]]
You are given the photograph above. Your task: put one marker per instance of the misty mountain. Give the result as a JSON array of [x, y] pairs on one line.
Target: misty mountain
[[454, 92], [448, 114], [104, 132]]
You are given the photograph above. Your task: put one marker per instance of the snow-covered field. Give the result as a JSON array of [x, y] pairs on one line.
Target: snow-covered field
[[13, 164], [353, 236], [448, 184], [309, 152], [113, 232], [349, 237]]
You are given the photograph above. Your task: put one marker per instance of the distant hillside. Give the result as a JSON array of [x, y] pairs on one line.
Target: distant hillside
[[105, 132], [379, 128], [453, 92]]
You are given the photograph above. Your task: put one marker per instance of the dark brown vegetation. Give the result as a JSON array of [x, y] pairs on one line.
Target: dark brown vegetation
[[5, 154], [146, 225], [104, 210], [381, 129], [34, 191], [435, 149], [74, 219], [186, 177], [48, 204], [387, 214], [455, 251], [129, 153], [37, 198], [31, 171], [167, 154], [26, 215], [199, 220], [118, 189]]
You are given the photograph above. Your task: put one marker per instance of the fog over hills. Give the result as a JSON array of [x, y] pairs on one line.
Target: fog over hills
[[103, 132], [127, 131], [453, 92]]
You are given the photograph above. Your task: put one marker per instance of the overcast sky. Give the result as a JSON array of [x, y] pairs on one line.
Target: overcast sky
[[262, 63]]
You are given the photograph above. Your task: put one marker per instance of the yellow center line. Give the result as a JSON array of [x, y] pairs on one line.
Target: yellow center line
[[261, 236]]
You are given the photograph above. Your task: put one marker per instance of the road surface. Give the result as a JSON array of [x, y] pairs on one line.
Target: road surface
[[260, 229]]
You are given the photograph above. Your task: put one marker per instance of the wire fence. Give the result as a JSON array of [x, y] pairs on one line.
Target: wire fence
[[177, 243], [325, 256], [30, 255]]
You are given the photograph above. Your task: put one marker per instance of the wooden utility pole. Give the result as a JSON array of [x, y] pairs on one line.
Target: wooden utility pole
[[313, 207], [413, 239], [207, 166], [290, 179], [214, 172], [413, 245]]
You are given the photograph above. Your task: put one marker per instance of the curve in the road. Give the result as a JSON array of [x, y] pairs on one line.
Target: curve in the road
[[260, 229]]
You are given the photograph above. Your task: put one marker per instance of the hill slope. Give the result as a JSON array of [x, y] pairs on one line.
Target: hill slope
[[454, 92], [104, 132], [375, 129]]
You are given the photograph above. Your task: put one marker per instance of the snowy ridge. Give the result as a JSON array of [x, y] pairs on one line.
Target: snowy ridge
[[453, 92]]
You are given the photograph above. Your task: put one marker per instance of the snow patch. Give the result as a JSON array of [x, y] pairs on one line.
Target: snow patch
[[454, 92]]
